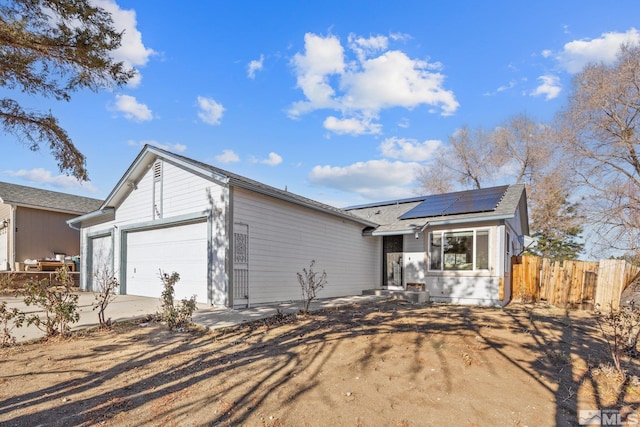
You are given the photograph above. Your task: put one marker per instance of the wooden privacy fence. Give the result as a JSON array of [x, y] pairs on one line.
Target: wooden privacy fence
[[571, 283]]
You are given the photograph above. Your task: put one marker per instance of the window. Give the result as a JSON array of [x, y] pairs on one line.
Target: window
[[459, 250]]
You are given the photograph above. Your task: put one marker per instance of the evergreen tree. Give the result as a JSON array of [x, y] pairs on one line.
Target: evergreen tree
[[52, 48]]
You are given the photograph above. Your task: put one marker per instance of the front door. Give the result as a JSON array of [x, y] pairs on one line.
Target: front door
[[392, 261], [240, 265]]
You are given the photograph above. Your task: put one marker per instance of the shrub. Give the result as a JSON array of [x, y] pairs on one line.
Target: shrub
[[59, 303], [179, 315], [9, 319], [310, 283], [106, 287], [621, 330], [6, 283]]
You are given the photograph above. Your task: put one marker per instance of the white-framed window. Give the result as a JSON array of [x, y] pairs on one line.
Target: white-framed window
[[460, 250]]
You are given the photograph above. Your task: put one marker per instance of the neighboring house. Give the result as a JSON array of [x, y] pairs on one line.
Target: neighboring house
[[237, 242], [33, 223], [458, 246]]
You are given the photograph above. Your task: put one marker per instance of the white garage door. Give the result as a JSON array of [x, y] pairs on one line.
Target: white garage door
[[182, 249]]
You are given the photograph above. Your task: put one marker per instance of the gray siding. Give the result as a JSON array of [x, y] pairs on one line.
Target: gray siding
[[284, 238]]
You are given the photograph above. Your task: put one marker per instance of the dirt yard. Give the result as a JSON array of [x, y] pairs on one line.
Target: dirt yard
[[388, 363]]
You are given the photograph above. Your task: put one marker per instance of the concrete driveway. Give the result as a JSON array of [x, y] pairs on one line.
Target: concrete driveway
[[126, 307]]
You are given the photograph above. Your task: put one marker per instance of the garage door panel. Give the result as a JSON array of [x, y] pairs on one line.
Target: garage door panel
[[182, 249]]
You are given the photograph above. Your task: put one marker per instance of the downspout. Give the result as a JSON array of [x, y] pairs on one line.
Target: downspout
[[417, 231]]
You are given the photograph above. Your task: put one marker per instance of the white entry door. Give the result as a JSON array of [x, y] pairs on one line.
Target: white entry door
[[4, 248], [101, 249], [181, 249]]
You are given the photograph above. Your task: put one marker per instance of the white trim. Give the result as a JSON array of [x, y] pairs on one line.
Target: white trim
[[475, 239]]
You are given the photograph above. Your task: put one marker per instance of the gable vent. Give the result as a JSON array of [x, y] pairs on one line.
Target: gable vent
[[157, 171]]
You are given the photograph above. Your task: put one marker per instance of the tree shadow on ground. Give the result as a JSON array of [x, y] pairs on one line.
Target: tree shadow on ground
[[232, 376]]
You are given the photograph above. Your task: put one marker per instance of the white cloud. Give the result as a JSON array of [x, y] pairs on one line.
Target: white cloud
[[132, 109], [502, 88], [227, 156], [210, 111], [374, 79], [273, 160], [374, 178], [404, 123], [395, 80], [352, 126], [175, 147], [511, 85], [255, 65], [132, 50], [400, 36], [550, 87], [365, 48], [42, 176], [409, 149], [578, 53], [323, 57]]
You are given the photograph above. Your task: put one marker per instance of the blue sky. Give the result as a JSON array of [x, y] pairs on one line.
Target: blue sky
[[341, 102]]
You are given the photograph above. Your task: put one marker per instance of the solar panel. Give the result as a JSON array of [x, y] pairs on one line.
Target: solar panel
[[472, 201], [433, 205], [482, 200]]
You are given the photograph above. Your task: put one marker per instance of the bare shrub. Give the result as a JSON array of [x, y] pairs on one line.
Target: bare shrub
[[106, 287], [310, 283], [621, 330], [6, 283], [525, 295]]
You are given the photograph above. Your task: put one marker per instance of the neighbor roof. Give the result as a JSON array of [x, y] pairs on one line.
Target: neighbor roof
[[20, 195], [388, 214]]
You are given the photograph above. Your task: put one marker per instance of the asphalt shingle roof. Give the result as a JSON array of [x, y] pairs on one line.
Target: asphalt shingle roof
[[387, 214], [21, 195], [245, 182]]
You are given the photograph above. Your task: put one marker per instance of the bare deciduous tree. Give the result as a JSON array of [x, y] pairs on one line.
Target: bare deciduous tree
[[600, 134], [520, 150], [523, 149], [466, 162], [436, 178]]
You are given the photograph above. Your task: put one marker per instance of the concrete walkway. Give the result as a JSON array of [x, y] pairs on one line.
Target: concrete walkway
[[126, 307], [214, 318]]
